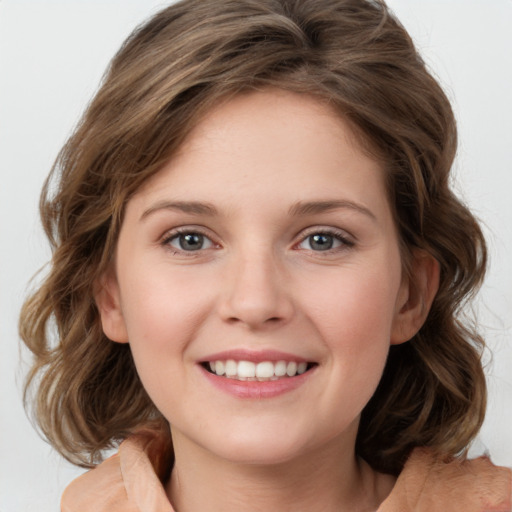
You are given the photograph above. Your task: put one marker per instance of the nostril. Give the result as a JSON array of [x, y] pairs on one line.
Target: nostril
[[271, 320]]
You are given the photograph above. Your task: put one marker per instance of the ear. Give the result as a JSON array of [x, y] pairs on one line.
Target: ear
[[108, 301], [415, 297]]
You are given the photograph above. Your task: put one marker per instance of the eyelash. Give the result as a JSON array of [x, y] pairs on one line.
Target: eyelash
[[176, 233], [346, 242], [338, 235]]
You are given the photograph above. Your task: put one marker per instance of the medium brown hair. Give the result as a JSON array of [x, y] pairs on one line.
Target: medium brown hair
[[352, 54]]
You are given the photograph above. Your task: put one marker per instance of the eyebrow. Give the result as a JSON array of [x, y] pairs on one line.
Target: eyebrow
[[300, 208], [192, 207], [315, 207]]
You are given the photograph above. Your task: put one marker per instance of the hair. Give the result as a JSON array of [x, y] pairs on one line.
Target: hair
[[355, 56]]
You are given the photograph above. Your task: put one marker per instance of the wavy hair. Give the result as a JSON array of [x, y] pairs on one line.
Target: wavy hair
[[352, 54]]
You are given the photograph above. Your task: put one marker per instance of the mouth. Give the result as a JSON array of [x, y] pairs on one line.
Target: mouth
[[263, 371]]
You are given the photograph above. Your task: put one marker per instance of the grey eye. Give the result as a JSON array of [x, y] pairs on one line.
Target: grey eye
[[322, 242], [190, 242]]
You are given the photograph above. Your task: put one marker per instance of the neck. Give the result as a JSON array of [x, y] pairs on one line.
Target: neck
[[332, 479]]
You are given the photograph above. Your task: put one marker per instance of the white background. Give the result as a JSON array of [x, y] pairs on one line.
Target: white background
[[52, 56]]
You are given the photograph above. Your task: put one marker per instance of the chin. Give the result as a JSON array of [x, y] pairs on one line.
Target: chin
[[261, 454], [261, 447]]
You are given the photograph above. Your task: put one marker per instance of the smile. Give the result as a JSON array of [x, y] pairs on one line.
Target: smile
[[261, 371]]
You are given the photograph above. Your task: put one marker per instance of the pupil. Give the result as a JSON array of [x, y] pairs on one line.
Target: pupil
[[191, 241], [321, 242]]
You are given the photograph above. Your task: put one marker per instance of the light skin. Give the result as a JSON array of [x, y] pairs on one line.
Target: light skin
[[270, 230]]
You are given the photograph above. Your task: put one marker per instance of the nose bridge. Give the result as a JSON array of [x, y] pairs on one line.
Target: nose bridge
[[256, 293]]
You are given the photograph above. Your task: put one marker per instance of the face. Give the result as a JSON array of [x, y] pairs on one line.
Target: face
[[258, 281]]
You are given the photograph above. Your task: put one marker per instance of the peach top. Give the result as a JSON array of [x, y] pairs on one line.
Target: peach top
[[130, 481]]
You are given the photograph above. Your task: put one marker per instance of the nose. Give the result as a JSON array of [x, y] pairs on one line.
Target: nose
[[257, 293]]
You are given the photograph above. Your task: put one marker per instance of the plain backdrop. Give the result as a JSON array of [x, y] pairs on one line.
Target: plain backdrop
[[52, 56]]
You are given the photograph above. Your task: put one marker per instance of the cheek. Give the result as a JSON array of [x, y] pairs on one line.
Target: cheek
[[157, 306], [162, 314], [354, 317], [356, 308], [351, 310], [160, 327]]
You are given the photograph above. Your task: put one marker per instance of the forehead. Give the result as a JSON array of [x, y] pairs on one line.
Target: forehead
[[274, 117], [261, 160], [272, 134], [260, 156]]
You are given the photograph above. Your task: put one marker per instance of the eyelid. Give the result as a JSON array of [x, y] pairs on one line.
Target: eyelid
[[171, 234], [347, 240]]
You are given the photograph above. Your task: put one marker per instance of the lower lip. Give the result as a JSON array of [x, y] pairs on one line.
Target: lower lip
[[257, 389]]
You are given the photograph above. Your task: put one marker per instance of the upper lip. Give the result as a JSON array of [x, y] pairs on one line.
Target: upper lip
[[256, 356]]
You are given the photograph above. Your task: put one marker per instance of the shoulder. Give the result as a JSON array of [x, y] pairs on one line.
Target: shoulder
[[129, 481], [428, 484], [101, 489]]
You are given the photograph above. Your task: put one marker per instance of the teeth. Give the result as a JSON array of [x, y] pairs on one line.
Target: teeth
[[219, 367], [280, 369], [265, 370], [231, 368], [291, 369], [246, 369]]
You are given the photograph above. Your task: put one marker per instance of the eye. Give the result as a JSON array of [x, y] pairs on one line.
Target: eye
[[325, 241], [189, 241]]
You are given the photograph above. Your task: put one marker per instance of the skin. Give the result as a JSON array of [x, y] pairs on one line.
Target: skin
[[259, 283]]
